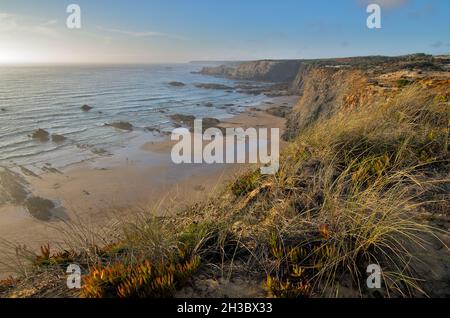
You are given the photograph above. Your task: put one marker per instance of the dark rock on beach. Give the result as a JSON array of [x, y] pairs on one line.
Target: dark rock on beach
[[213, 86], [280, 111], [122, 125], [180, 119], [188, 121], [210, 122], [40, 134], [58, 138], [86, 108], [177, 84]]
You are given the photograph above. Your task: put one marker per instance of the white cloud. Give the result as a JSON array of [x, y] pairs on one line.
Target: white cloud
[[10, 24], [50, 22], [7, 22], [141, 34]]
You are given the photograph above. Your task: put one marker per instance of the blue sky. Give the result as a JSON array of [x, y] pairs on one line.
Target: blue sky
[[134, 31]]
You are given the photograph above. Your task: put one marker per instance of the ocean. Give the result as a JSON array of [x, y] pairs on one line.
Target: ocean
[[50, 98]]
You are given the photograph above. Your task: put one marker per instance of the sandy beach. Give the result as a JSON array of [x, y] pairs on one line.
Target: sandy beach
[[140, 178]]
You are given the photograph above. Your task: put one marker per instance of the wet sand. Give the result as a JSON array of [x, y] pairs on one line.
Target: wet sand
[[142, 177]]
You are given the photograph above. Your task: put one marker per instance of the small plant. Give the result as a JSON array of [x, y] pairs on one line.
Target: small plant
[[45, 258], [246, 183], [402, 82], [7, 283], [287, 289], [144, 279]]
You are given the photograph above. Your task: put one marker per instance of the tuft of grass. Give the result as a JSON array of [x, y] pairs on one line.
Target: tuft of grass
[[403, 82], [246, 183]]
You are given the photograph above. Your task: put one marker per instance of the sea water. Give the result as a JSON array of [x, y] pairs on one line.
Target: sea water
[[50, 98]]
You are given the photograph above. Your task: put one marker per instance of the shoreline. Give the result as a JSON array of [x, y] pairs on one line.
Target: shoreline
[[137, 178]]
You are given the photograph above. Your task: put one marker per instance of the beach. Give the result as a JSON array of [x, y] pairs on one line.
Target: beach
[[139, 178]]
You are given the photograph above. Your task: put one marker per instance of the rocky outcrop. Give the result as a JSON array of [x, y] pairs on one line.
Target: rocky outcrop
[[40, 135], [324, 91], [122, 125], [222, 70], [187, 121], [86, 108], [213, 86], [177, 84], [58, 138], [265, 70]]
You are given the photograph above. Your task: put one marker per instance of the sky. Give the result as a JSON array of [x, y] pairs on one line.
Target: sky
[[159, 31]]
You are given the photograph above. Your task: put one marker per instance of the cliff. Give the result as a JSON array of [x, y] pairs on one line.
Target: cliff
[[325, 91], [328, 87], [265, 70]]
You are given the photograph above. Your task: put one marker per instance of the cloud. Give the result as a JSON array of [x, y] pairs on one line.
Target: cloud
[[140, 34], [7, 22], [387, 4], [10, 23], [50, 22]]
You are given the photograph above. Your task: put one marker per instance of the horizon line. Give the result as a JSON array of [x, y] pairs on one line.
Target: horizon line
[[98, 63]]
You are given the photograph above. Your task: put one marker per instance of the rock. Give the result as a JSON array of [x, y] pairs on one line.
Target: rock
[[40, 134], [153, 130], [122, 125], [86, 108], [177, 84], [221, 70], [265, 70], [187, 120], [3, 109], [213, 86], [280, 111], [58, 138], [100, 152], [210, 122]]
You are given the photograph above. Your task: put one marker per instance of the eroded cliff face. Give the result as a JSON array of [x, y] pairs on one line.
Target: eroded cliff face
[[325, 89], [266, 70]]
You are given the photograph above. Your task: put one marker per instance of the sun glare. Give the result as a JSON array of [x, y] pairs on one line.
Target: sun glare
[[8, 56]]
